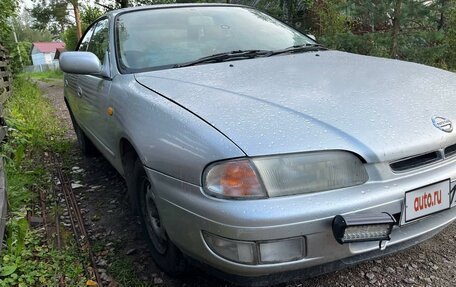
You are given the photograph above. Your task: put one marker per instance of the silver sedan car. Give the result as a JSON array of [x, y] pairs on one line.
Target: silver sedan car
[[249, 148]]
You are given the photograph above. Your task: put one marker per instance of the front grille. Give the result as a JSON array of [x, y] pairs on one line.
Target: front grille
[[416, 161], [450, 150]]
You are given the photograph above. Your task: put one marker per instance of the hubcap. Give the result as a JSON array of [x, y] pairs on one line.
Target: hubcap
[[154, 227]]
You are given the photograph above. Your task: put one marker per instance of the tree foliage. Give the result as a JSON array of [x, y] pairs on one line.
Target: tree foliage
[[26, 33], [70, 37], [7, 9], [425, 30], [414, 30], [90, 14], [22, 53], [51, 15], [450, 36]]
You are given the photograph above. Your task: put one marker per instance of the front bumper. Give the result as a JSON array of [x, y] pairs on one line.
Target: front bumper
[[186, 211]]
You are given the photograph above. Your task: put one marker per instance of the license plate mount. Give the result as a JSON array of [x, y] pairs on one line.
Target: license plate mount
[[426, 200]]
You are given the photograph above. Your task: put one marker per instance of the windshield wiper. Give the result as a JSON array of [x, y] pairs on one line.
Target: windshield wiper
[[221, 57], [300, 49]]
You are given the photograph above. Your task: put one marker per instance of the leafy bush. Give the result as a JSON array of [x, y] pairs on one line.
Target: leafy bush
[[30, 118], [375, 44], [32, 129], [450, 39], [27, 260], [426, 47]]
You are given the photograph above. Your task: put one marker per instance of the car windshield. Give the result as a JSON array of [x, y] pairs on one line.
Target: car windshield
[[162, 38]]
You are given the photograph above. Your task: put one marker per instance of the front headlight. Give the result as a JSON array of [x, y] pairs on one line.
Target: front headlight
[[310, 172], [285, 175]]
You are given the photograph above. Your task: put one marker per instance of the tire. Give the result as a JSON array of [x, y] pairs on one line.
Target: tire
[[165, 254], [86, 146]]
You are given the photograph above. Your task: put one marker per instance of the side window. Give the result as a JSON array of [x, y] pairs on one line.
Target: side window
[[99, 42], [85, 41]]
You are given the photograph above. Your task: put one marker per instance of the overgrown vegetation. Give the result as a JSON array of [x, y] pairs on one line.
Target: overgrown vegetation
[[413, 30], [46, 75], [125, 273], [32, 131], [29, 258]]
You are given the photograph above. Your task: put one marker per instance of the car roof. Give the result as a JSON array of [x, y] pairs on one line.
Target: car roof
[[162, 6]]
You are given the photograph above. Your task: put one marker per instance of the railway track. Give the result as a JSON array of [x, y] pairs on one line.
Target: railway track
[[76, 220]]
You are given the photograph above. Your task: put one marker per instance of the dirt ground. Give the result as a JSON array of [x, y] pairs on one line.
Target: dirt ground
[[116, 235]]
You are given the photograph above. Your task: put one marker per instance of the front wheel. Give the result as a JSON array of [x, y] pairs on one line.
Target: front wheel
[[164, 252]]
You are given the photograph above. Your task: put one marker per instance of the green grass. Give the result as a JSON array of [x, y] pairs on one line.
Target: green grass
[[46, 75], [32, 117], [22, 182], [33, 130], [34, 263], [28, 260], [123, 271]]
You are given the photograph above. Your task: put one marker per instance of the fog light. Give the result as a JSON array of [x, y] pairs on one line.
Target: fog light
[[238, 251], [260, 252], [282, 250], [363, 227]]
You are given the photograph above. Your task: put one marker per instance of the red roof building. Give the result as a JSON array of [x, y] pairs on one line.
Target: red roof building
[[44, 52]]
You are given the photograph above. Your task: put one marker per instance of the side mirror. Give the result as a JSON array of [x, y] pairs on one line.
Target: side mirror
[[80, 63], [312, 37]]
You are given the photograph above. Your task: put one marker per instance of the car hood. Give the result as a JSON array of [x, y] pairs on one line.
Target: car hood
[[378, 108]]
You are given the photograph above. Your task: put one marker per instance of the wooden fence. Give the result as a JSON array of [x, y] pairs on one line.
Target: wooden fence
[[5, 76], [5, 92]]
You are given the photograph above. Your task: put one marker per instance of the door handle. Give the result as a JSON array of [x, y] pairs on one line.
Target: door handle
[[79, 92]]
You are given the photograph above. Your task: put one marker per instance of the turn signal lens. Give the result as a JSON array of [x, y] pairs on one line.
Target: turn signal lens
[[233, 179]]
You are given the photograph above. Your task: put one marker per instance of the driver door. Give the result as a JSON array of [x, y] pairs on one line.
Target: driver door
[[95, 92]]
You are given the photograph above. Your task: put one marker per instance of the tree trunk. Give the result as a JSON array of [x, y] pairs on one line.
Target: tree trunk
[[123, 3], [77, 17], [441, 23], [396, 29]]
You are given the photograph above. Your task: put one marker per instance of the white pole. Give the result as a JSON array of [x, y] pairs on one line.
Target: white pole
[[17, 45]]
